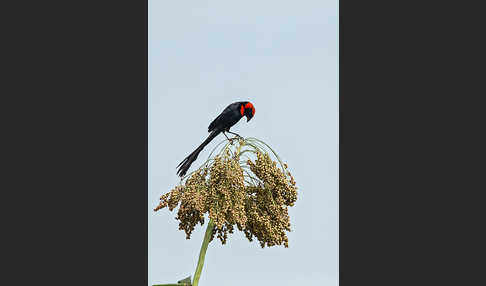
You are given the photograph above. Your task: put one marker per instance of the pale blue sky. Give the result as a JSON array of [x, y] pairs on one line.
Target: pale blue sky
[[283, 57]]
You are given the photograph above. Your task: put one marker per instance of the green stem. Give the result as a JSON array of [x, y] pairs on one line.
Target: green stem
[[202, 253]]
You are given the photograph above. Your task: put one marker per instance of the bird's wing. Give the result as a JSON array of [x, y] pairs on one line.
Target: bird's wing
[[214, 123], [224, 117]]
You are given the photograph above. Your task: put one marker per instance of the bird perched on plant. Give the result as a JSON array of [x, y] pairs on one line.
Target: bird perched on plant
[[229, 117]]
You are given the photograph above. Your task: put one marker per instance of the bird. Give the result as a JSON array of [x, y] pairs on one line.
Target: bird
[[221, 124]]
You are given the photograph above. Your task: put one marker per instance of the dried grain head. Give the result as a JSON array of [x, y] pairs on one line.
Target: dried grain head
[[253, 195]]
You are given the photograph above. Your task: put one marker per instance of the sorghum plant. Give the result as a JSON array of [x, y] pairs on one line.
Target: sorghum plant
[[240, 186]]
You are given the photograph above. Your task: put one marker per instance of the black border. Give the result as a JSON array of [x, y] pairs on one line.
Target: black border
[[409, 143], [79, 144]]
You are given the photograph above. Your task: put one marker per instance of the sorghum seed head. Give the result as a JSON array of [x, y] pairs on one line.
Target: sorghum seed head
[[222, 190]]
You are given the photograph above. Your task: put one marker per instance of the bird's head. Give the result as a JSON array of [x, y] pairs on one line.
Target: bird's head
[[247, 109]]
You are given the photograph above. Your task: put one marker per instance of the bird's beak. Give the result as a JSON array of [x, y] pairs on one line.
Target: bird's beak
[[248, 118]]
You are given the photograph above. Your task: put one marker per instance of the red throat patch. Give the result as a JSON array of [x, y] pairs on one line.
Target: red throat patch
[[249, 105], [242, 110]]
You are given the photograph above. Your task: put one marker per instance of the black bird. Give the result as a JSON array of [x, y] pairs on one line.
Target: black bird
[[229, 117]]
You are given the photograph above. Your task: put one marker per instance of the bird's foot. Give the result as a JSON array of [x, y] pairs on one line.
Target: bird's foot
[[236, 138], [236, 134]]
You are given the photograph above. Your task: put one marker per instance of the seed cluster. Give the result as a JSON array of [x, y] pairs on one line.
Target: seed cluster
[[258, 207], [267, 203]]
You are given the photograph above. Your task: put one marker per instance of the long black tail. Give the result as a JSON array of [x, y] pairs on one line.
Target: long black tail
[[186, 163]]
